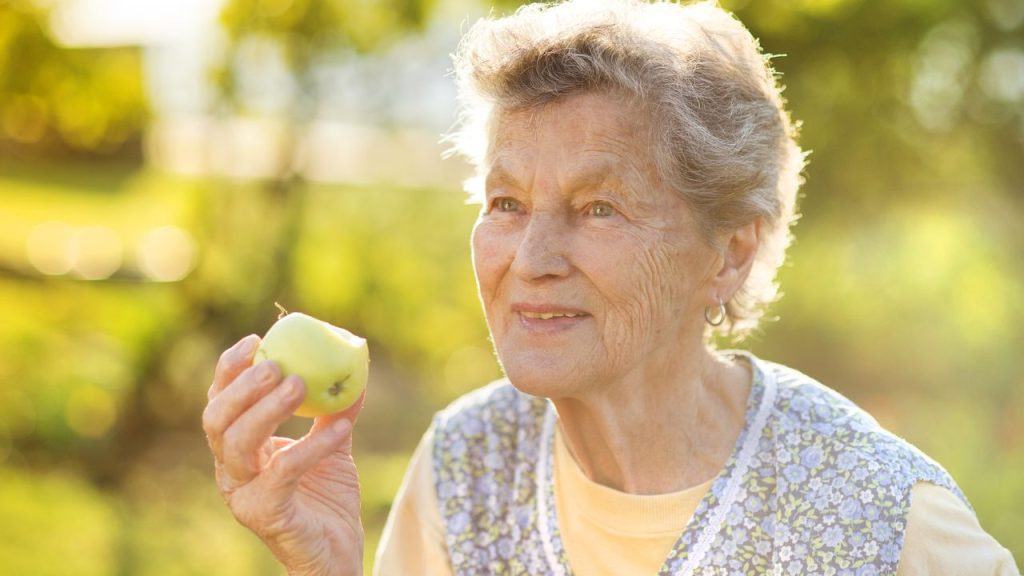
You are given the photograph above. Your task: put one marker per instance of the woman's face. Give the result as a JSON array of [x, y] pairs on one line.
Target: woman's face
[[589, 269]]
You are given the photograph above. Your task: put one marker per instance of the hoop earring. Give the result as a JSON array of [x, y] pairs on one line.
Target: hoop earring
[[721, 314]]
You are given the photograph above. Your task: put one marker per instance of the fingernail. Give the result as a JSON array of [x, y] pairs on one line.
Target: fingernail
[[289, 387], [265, 370], [248, 345]]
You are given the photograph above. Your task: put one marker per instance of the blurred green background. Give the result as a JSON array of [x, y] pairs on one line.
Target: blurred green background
[[169, 170]]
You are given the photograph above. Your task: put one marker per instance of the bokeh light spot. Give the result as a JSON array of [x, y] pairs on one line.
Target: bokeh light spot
[[96, 252], [1006, 14], [1002, 75], [49, 247], [166, 254], [944, 64]]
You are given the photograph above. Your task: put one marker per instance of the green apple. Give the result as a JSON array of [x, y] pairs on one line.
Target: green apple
[[332, 362]]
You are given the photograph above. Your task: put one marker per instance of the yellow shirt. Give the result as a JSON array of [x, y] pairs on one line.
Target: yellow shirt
[[610, 532]]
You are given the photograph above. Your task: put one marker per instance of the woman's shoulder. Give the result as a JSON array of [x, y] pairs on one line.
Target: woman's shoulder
[[813, 418], [804, 402], [496, 402], [483, 443]]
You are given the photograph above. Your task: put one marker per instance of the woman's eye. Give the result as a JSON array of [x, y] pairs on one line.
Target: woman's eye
[[601, 210], [506, 204]]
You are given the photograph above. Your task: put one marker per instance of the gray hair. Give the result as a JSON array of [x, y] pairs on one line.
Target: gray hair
[[722, 136]]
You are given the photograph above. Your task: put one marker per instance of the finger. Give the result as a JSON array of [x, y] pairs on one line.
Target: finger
[[232, 362], [351, 413], [250, 432], [268, 449], [290, 463], [227, 484], [252, 384]]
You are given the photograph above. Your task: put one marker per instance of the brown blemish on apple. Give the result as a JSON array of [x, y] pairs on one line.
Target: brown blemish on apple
[[337, 387]]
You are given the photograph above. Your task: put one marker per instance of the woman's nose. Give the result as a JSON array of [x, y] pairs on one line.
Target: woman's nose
[[543, 249]]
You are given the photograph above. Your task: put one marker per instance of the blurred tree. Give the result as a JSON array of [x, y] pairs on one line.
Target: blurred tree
[[905, 284], [55, 101], [894, 94], [309, 30], [257, 227]]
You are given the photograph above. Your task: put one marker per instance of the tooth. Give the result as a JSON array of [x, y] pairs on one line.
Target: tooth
[[550, 315]]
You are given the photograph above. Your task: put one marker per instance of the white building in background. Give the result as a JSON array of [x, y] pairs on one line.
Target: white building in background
[[379, 118], [379, 121]]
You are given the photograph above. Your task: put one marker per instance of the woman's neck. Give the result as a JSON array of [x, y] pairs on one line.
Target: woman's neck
[[658, 431]]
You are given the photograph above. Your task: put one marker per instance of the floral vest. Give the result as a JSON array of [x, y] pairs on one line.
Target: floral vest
[[813, 485]]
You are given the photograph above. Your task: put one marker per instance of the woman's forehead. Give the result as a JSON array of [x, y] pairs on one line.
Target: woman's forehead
[[596, 131], [603, 114]]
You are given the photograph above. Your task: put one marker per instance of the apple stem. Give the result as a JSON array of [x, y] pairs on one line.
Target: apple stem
[[283, 311]]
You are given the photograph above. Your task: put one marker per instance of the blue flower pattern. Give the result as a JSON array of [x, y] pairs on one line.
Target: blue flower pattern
[[824, 490]]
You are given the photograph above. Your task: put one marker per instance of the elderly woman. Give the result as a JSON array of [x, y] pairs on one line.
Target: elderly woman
[[638, 176]]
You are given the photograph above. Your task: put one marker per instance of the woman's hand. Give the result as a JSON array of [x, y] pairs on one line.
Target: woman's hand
[[301, 497]]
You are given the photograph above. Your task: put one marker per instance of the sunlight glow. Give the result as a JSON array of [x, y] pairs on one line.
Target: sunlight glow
[[49, 248], [166, 254], [96, 252], [92, 23]]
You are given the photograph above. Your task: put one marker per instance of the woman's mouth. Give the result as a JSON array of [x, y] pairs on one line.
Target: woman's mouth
[[547, 318], [550, 315]]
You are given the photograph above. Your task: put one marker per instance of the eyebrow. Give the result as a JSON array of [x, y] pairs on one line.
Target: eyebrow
[[498, 173]]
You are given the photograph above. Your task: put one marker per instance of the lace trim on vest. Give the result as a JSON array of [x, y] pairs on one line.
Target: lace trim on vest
[[735, 485], [544, 512], [733, 489]]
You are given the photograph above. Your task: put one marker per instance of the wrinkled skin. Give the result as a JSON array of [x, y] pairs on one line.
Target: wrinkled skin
[[574, 221], [574, 216], [300, 497], [594, 276]]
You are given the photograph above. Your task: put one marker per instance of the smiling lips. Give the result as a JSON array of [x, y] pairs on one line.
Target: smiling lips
[[548, 317]]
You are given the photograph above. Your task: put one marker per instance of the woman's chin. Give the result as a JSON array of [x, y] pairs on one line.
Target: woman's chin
[[546, 379]]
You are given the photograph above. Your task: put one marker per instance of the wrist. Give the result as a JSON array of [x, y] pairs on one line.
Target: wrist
[[323, 572], [355, 569], [351, 566]]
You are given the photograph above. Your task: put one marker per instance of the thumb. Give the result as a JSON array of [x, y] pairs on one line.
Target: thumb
[[290, 463]]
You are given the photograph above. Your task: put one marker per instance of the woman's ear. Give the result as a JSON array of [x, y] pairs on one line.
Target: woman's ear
[[740, 249]]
